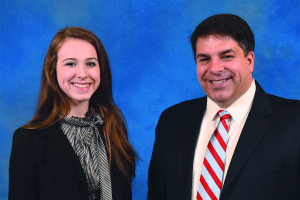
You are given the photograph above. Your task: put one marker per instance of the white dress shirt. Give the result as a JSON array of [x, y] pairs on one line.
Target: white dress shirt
[[239, 111]]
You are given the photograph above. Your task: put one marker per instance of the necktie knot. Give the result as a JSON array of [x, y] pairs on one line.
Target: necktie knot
[[224, 114]]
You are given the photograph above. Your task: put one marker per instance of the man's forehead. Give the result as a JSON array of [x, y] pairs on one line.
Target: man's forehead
[[218, 36], [205, 48], [223, 40]]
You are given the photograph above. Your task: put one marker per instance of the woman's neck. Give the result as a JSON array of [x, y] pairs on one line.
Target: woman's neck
[[78, 109]]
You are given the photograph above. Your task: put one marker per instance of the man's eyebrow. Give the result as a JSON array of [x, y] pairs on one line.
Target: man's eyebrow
[[226, 51], [202, 55], [220, 53]]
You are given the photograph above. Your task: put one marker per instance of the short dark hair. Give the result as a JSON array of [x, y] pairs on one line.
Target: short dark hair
[[225, 25]]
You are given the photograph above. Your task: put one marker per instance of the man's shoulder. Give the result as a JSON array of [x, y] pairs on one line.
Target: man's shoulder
[[284, 104], [171, 118], [274, 98], [184, 107], [269, 103]]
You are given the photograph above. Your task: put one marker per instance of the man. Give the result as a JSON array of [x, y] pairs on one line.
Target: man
[[249, 150]]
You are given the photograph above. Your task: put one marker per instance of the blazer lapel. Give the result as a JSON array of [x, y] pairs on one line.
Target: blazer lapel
[[187, 139], [254, 129], [59, 143]]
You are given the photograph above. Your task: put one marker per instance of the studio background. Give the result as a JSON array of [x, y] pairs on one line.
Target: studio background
[[151, 59]]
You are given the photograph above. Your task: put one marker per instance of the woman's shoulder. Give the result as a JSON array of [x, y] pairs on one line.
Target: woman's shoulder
[[22, 131], [22, 134], [25, 134], [27, 141]]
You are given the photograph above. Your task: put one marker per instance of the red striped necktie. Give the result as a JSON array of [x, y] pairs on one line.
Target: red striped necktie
[[210, 182]]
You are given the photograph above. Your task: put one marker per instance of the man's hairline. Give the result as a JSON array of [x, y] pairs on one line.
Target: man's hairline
[[217, 35]]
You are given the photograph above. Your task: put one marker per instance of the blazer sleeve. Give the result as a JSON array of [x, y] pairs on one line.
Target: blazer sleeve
[[121, 188], [157, 174], [23, 178], [127, 195]]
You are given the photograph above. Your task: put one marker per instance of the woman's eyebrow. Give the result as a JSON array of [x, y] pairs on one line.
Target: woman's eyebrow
[[69, 59], [92, 58]]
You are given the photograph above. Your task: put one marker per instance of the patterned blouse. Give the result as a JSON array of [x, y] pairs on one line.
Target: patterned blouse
[[84, 137]]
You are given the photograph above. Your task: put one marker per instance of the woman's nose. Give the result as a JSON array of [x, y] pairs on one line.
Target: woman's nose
[[81, 71]]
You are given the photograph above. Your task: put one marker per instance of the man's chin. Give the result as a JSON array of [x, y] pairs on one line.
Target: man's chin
[[221, 99]]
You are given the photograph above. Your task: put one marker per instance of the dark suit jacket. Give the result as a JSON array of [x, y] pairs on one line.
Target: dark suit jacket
[[265, 163], [43, 165]]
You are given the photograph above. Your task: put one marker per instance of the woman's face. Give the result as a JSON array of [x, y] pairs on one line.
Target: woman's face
[[77, 69]]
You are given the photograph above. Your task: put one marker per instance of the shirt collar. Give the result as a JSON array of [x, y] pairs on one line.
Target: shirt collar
[[238, 110]]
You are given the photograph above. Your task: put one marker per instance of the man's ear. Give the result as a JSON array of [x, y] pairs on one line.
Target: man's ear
[[250, 58]]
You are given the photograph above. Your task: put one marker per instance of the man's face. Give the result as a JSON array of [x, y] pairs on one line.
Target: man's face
[[223, 71]]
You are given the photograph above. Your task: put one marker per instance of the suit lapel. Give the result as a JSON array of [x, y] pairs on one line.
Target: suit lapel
[[254, 129], [187, 139]]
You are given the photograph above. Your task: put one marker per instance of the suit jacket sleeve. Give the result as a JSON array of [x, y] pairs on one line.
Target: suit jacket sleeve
[[157, 169], [23, 178]]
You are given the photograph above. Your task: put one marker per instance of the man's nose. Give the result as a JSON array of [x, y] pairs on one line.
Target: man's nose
[[216, 66]]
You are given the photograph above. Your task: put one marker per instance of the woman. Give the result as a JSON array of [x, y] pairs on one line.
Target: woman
[[76, 145]]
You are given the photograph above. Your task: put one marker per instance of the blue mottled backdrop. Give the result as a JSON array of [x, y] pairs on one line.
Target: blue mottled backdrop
[[147, 42]]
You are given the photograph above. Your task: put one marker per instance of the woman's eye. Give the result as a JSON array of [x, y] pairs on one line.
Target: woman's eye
[[91, 64], [70, 64]]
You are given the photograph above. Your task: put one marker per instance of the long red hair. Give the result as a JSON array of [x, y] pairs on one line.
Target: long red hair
[[53, 101]]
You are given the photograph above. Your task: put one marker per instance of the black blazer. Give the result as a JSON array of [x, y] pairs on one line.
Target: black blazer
[[43, 165], [265, 163]]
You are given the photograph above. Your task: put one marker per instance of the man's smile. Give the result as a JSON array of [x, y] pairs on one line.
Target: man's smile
[[219, 81]]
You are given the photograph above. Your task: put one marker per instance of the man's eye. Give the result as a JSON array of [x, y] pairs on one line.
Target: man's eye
[[70, 64], [203, 60], [91, 64], [227, 57]]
